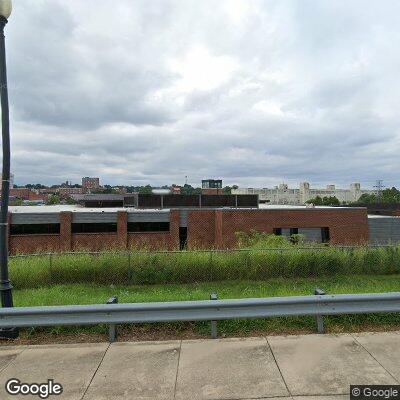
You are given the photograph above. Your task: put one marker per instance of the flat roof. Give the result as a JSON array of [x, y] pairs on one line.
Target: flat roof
[[373, 216], [264, 206], [78, 208]]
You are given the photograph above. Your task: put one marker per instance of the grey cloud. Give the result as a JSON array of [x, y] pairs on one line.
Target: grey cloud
[[313, 93]]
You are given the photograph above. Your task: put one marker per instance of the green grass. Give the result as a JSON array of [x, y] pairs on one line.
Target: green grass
[[152, 268], [94, 294], [90, 294]]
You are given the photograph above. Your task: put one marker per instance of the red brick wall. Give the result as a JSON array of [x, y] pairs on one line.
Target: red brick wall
[[65, 231], [219, 239], [346, 226], [149, 240], [122, 229], [25, 194], [94, 241], [25, 244], [201, 229], [158, 240], [206, 229], [212, 191]]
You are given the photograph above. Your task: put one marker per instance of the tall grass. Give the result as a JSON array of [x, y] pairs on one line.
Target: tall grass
[[148, 268]]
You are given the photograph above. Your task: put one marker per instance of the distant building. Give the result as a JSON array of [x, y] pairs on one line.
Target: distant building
[[67, 191], [193, 225], [89, 184], [120, 189], [176, 190], [282, 194], [211, 186], [26, 194]]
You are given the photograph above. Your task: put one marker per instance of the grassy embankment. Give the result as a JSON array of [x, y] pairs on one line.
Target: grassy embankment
[[145, 277], [150, 268]]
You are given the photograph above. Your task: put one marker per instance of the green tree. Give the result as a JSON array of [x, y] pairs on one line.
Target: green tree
[[367, 198], [324, 201], [70, 200], [390, 195], [386, 196], [330, 201], [35, 186], [189, 189], [53, 199], [316, 201], [108, 190], [146, 189]]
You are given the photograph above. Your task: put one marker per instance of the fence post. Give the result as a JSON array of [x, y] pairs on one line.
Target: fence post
[[51, 267], [320, 318], [214, 329], [130, 272], [211, 266], [112, 329]]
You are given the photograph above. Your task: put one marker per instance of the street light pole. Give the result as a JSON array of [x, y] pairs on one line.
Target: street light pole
[[5, 286]]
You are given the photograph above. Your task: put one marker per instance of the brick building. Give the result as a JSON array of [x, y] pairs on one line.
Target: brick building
[[71, 228], [211, 186], [26, 194], [89, 184], [64, 192]]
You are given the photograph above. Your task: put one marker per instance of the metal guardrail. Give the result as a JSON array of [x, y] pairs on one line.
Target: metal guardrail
[[205, 310]]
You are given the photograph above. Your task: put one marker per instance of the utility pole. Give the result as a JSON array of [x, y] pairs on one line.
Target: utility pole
[[5, 285], [379, 187]]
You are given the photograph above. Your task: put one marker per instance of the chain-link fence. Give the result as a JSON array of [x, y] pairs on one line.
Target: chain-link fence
[[162, 267]]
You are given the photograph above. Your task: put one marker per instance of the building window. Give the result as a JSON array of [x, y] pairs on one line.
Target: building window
[[277, 231], [148, 226], [325, 235], [183, 238], [294, 231], [34, 229], [94, 228]]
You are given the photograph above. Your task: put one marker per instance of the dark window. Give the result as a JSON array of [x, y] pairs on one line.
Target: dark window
[[149, 200], [181, 200], [183, 237], [94, 228], [34, 229], [148, 226], [325, 235], [277, 231], [218, 200], [294, 231], [247, 200]]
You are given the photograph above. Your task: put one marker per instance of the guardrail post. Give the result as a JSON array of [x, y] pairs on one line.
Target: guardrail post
[[214, 329], [112, 329], [320, 318]]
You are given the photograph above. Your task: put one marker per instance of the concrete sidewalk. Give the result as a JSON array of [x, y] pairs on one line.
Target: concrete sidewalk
[[305, 367]]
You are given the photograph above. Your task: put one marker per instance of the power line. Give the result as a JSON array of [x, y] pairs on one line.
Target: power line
[[379, 186]]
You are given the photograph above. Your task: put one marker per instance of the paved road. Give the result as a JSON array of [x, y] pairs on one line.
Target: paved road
[[305, 367]]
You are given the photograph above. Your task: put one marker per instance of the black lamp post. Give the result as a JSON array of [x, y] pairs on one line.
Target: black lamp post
[[5, 286]]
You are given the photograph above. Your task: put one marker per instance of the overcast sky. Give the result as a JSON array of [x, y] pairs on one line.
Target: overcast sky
[[253, 92]]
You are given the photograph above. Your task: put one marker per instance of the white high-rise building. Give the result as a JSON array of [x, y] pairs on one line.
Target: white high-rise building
[[282, 194]]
